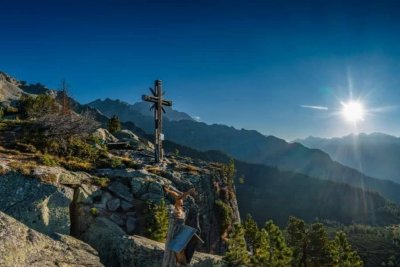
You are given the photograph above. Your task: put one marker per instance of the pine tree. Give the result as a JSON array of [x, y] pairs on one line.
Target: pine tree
[[297, 241], [237, 254], [114, 125], [250, 232], [343, 254], [261, 254], [158, 223], [280, 255], [319, 248]]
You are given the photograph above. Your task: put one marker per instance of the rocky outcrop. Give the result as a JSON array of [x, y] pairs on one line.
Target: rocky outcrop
[[104, 136], [9, 89], [41, 198], [43, 207], [21, 246], [120, 250], [126, 199]]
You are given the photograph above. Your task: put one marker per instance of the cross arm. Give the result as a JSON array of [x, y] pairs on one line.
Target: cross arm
[[154, 99]]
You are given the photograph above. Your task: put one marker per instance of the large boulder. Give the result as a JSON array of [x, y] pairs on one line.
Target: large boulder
[[22, 246], [116, 249], [43, 207], [127, 136], [105, 136]]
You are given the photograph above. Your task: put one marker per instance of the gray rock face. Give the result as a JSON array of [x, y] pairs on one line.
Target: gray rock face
[[105, 136], [43, 207], [126, 135], [119, 250], [125, 205], [120, 190], [22, 246], [130, 225], [113, 204]]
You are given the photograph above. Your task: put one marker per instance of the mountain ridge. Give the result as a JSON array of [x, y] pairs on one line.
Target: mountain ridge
[[254, 147], [375, 154]]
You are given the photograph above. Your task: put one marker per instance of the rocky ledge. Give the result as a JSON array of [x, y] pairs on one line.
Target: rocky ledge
[[21, 246]]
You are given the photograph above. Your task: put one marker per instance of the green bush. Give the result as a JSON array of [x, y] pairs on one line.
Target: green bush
[[37, 106], [48, 160], [114, 125], [101, 181], [94, 212], [225, 214], [158, 221]]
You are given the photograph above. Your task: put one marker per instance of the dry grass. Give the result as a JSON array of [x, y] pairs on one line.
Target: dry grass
[[155, 170], [74, 165], [23, 167], [188, 168]]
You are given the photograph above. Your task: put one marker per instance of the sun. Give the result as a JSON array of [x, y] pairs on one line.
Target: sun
[[353, 111]]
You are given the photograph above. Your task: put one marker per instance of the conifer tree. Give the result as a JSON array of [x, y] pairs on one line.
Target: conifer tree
[[319, 248], [297, 241], [237, 254], [250, 232], [280, 255], [114, 125], [261, 254], [343, 254], [158, 223]]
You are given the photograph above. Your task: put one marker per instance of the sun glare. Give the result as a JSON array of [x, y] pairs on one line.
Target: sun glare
[[353, 111]]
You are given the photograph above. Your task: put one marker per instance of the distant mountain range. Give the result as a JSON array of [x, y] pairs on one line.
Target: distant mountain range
[[375, 154], [269, 193], [253, 147], [124, 110]]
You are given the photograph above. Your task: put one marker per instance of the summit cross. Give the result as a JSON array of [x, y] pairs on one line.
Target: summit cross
[[158, 102]]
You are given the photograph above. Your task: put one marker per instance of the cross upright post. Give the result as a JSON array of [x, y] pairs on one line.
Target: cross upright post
[[158, 102]]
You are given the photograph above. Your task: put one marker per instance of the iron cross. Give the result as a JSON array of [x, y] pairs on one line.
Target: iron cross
[[158, 102]]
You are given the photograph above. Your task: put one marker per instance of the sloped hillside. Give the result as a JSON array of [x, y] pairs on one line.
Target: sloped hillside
[[375, 154], [252, 146], [9, 88], [270, 193]]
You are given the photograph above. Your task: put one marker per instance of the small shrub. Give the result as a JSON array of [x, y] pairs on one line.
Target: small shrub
[[48, 160], [106, 162], [158, 221], [114, 125], [25, 168], [94, 212], [77, 165], [101, 181], [37, 106], [176, 154], [225, 215]]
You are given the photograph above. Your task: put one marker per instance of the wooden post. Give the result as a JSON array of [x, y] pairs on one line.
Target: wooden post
[[174, 226], [158, 103], [158, 151]]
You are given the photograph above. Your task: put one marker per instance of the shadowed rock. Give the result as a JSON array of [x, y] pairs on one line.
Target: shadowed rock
[[22, 246]]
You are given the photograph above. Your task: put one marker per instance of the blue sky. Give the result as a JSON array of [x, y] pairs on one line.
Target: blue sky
[[250, 64]]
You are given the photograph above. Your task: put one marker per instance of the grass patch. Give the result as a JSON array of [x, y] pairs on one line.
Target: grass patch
[[101, 181], [48, 160], [25, 168]]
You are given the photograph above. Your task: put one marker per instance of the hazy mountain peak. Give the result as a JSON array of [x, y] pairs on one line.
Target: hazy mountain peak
[[123, 109]]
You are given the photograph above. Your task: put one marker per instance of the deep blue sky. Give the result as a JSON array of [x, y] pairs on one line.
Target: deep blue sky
[[250, 64]]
